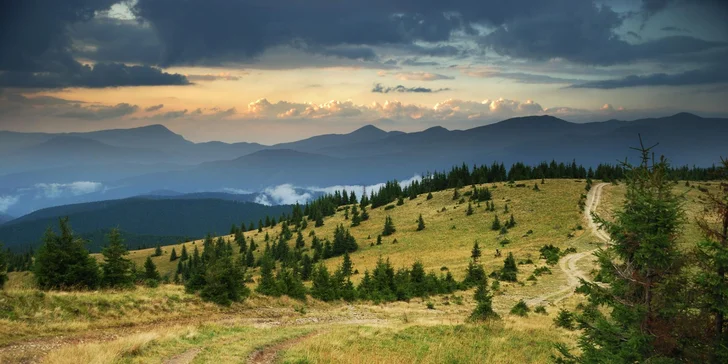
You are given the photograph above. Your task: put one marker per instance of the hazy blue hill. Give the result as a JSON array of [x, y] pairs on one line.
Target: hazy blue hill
[[365, 134], [143, 220], [5, 218]]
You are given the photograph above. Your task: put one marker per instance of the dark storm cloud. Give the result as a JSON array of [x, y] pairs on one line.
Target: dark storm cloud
[[35, 48], [378, 88], [585, 35], [115, 40], [100, 112], [710, 75], [99, 76]]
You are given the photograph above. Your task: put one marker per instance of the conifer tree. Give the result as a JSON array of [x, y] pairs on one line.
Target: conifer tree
[[510, 269], [116, 270], [3, 267], [223, 279], [249, 257], [62, 262], [511, 223], [496, 224], [300, 243], [484, 302], [355, 217], [429, 195], [505, 210], [150, 270], [400, 201], [322, 287], [389, 228], [633, 319], [475, 253], [251, 227], [455, 194], [173, 255], [535, 187], [712, 258], [267, 282], [469, 211], [319, 220], [420, 223], [347, 266], [379, 239], [364, 213], [183, 256], [306, 267], [260, 226], [158, 251]]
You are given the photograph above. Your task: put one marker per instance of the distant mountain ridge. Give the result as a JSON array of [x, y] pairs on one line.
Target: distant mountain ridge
[[144, 221], [130, 162]]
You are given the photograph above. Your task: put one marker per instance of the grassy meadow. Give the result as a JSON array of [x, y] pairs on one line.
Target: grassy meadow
[[152, 325]]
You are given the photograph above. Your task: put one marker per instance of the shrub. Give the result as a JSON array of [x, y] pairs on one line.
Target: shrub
[[388, 207], [564, 319], [540, 309], [541, 271], [430, 305], [520, 309]]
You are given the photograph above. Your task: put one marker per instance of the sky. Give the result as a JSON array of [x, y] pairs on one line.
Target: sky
[[281, 70]]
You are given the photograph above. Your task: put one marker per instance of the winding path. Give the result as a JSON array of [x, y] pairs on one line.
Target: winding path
[[568, 264]]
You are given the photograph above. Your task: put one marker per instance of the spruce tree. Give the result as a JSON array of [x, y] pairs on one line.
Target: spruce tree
[[420, 223], [347, 266], [116, 270], [484, 302], [300, 243], [511, 223], [510, 269], [183, 256], [633, 319], [223, 280], [389, 228], [469, 211], [364, 213], [3, 267], [173, 255], [429, 195], [150, 270], [158, 251], [267, 282], [475, 253], [62, 262], [712, 258], [400, 201], [496, 224], [249, 257], [379, 240], [355, 217]]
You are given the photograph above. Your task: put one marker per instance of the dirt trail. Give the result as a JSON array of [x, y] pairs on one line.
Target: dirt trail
[[184, 358], [269, 354], [568, 264]]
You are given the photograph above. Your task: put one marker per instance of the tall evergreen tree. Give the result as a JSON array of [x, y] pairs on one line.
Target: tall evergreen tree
[[496, 224], [475, 253], [63, 262], [173, 255], [158, 251], [712, 258], [116, 269], [347, 266], [510, 269], [267, 282], [469, 211], [3, 267], [150, 270], [389, 228], [633, 318], [420, 223], [484, 302], [224, 280], [300, 243], [183, 256]]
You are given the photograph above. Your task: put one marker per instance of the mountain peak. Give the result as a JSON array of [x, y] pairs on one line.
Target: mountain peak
[[368, 129], [435, 129], [685, 115]]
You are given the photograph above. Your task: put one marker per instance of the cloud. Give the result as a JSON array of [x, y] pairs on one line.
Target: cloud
[[154, 108], [584, 34], [171, 114], [100, 112], [284, 194], [56, 190], [236, 191], [224, 76], [378, 88], [100, 75], [710, 75], [288, 194], [519, 77], [39, 100], [634, 35], [421, 76], [7, 201]]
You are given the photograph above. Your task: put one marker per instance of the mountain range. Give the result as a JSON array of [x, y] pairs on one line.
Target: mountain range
[[40, 170]]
